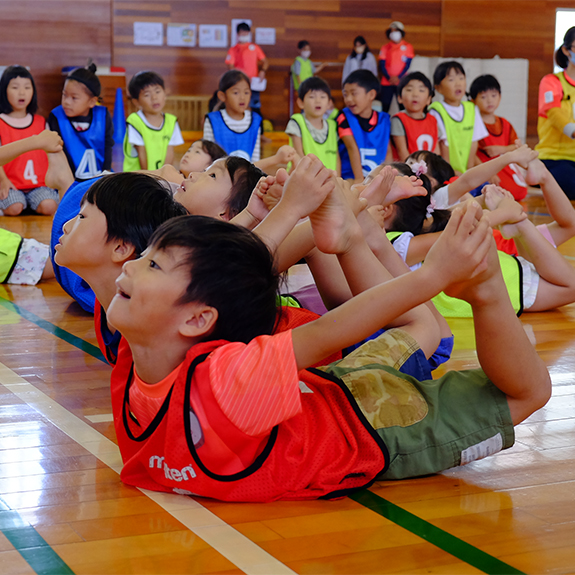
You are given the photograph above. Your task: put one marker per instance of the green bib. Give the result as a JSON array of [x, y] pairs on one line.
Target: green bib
[[156, 141], [305, 71], [9, 248], [327, 151], [459, 134]]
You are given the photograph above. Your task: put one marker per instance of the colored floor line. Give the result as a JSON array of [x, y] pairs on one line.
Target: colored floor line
[[441, 539], [30, 544], [77, 342], [225, 539], [434, 535]]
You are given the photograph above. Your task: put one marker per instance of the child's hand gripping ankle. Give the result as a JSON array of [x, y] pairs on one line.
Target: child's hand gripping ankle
[[266, 195], [537, 173], [504, 211], [460, 252], [522, 156], [50, 142]]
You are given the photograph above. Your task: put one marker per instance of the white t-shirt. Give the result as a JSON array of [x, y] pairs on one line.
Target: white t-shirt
[[135, 138], [456, 112]]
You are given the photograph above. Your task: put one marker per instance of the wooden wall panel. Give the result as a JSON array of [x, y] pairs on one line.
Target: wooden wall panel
[[47, 35], [329, 25]]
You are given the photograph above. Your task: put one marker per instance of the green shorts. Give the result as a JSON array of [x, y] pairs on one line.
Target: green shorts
[[427, 426]]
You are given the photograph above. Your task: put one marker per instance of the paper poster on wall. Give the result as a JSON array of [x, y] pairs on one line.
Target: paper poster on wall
[[181, 34], [213, 36], [235, 23], [265, 36], [148, 34]]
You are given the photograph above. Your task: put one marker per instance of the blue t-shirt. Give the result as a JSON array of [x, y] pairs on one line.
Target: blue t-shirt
[[68, 208]]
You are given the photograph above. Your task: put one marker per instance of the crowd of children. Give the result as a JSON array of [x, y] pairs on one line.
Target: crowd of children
[[220, 386]]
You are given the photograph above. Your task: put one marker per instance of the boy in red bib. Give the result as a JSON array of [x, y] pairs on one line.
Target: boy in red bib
[[485, 93]]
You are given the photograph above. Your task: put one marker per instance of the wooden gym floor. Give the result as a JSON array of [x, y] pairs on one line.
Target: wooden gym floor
[[63, 509]]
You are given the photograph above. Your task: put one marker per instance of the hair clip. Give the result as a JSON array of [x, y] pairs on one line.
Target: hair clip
[[419, 168]]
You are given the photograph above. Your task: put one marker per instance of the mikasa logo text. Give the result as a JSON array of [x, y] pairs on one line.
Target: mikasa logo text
[[184, 474]]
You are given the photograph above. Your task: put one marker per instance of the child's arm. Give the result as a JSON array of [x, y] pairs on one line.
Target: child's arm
[[479, 174], [354, 157], [338, 166], [5, 184], [169, 155], [280, 159], [47, 140], [142, 156], [471, 160], [458, 255], [389, 155], [494, 151], [400, 143]]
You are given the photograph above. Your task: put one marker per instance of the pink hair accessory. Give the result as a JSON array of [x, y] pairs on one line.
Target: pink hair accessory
[[431, 207], [419, 168]]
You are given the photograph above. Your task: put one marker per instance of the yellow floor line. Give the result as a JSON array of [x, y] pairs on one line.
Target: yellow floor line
[[237, 548]]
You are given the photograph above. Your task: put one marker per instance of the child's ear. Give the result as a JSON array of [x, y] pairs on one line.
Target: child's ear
[[92, 101], [221, 96], [299, 102], [399, 99], [123, 252], [372, 95], [198, 319]]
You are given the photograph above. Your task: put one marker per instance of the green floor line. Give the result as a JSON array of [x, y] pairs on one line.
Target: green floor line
[[30, 544], [77, 342], [441, 539]]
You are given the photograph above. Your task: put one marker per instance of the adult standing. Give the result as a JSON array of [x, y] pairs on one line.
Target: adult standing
[[250, 59], [556, 123], [394, 60], [360, 58]]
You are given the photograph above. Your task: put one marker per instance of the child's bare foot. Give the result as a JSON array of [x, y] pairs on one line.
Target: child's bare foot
[[536, 172], [271, 188], [379, 187], [371, 223], [59, 176], [335, 228], [505, 212]]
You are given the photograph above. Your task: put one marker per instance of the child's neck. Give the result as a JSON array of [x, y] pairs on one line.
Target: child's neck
[[488, 118], [416, 115], [366, 113], [315, 122], [452, 102], [103, 283], [17, 114], [155, 361], [156, 119], [235, 114]]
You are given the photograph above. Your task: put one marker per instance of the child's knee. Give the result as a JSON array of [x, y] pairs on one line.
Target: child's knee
[[14, 209], [47, 208]]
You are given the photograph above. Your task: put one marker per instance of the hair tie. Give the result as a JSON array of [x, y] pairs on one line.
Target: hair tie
[[419, 168], [450, 181], [431, 207]]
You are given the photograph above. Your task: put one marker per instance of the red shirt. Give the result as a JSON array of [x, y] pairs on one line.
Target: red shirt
[[395, 56], [245, 57]]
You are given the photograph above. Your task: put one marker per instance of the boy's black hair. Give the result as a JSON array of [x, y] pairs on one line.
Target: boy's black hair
[[415, 76], [483, 84], [243, 27], [244, 176], [302, 43], [230, 269], [231, 78], [444, 68], [568, 41], [411, 213], [142, 80], [313, 84], [87, 77], [364, 79], [437, 167], [360, 40], [212, 149], [10, 73], [134, 205]]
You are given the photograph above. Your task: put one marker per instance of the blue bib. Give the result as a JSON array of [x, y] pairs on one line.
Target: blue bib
[[240, 144], [87, 149], [68, 208], [372, 145]]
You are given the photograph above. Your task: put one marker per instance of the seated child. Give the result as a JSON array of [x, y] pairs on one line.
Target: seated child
[[414, 129], [309, 131], [151, 134], [459, 122], [303, 68], [85, 127], [201, 154], [25, 260], [234, 126], [22, 180], [485, 93], [198, 312], [363, 132]]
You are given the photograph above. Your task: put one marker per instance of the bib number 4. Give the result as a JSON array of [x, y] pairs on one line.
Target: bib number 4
[[88, 167], [29, 173]]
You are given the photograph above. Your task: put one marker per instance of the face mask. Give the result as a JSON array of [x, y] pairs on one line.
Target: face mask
[[395, 36], [359, 49], [245, 38], [572, 57], [306, 54]]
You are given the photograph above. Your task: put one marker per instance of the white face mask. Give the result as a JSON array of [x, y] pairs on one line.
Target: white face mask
[[359, 49], [395, 36], [306, 53], [245, 38]]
